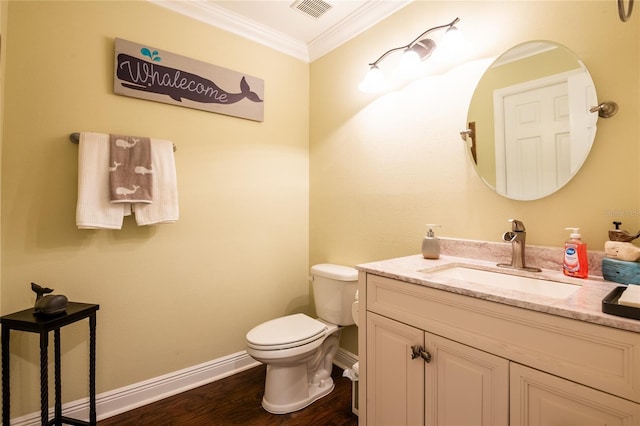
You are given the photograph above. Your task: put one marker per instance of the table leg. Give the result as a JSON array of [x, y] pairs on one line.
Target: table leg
[[58, 377], [44, 378], [6, 396], [92, 370]]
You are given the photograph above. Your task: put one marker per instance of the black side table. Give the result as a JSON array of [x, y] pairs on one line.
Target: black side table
[[27, 321]]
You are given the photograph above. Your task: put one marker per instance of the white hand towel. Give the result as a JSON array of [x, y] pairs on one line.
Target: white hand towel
[[94, 209], [164, 207]]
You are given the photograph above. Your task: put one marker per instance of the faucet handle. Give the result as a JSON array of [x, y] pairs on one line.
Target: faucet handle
[[516, 225]]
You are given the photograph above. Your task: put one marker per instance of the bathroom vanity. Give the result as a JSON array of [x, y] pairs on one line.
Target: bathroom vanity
[[443, 349]]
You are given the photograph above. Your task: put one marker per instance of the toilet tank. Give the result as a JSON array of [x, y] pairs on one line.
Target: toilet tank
[[334, 291]]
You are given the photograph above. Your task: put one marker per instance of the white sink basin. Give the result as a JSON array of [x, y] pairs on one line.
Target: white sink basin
[[503, 280]]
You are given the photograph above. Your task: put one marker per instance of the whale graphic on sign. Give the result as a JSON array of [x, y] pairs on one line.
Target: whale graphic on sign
[[145, 72], [146, 76]]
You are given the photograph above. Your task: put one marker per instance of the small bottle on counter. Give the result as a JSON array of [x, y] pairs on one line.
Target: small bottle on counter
[[575, 263], [431, 243]]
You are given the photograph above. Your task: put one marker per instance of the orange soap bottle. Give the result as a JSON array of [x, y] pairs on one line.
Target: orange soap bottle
[[575, 262]]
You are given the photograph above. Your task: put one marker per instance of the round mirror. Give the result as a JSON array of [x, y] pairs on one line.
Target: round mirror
[[529, 120]]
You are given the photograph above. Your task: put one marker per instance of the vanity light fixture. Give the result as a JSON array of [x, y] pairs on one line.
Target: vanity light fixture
[[414, 53]]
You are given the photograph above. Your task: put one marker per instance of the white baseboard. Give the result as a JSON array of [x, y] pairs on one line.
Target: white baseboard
[[118, 401], [111, 403], [345, 359]]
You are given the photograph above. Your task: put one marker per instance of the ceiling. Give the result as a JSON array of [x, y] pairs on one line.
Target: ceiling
[[305, 29]]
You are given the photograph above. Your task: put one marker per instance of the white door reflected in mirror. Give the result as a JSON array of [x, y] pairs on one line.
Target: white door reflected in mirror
[[533, 129]]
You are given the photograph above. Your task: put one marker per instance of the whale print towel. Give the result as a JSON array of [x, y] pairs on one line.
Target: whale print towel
[[130, 169]]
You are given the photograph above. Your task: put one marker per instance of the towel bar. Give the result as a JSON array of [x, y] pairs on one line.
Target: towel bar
[[75, 138]]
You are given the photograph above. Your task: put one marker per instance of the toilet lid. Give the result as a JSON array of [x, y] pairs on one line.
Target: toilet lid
[[286, 332]]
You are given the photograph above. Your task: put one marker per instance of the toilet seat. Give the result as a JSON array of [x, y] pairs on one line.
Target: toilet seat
[[286, 332]]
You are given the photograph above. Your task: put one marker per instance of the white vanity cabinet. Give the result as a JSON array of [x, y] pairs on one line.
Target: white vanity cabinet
[[394, 379], [454, 385], [487, 363], [540, 399]]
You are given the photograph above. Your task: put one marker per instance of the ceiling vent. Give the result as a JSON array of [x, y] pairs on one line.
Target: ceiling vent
[[312, 8]]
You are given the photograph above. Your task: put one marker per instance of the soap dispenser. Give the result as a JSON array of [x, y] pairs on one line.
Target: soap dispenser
[[575, 262], [431, 243]]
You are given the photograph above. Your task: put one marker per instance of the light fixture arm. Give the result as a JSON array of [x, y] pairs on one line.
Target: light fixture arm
[[384, 55]]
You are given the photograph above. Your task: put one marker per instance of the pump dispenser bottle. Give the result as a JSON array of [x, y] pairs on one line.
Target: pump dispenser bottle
[[431, 243], [575, 262]]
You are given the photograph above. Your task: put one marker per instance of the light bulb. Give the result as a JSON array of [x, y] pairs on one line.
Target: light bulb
[[373, 81], [453, 44], [409, 65]]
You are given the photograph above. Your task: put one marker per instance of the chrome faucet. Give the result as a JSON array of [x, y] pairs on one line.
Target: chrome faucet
[[517, 237]]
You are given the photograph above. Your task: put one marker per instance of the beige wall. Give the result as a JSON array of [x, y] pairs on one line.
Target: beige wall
[[382, 166], [171, 296]]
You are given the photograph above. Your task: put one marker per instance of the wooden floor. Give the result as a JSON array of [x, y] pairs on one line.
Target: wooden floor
[[236, 400]]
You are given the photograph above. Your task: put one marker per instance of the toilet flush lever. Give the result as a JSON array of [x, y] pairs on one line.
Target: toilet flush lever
[[418, 351]]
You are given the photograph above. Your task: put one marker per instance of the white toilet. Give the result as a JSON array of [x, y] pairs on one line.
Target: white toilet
[[298, 349]]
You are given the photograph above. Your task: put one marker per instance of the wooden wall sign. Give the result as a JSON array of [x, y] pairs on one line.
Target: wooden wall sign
[[148, 73]]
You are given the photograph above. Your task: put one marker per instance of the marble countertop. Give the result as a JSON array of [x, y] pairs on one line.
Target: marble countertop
[[585, 304]]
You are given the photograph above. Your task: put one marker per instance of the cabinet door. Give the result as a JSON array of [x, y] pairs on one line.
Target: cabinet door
[[465, 386], [540, 399], [395, 382]]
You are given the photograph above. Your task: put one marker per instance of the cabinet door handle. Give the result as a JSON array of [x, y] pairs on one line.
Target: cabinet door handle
[[418, 351]]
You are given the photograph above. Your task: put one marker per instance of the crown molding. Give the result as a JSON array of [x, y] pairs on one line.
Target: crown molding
[[523, 51], [364, 18], [219, 17], [234, 23]]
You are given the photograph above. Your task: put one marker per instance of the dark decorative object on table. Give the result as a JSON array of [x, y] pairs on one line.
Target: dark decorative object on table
[[48, 305]]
